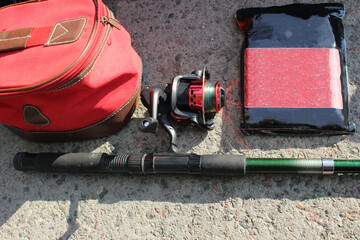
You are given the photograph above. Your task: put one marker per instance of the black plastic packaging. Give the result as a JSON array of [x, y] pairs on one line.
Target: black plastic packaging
[[285, 89]]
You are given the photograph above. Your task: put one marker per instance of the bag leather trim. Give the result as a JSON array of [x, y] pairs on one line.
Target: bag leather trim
[[14, 40], [66, 32], [63, 32], [33, 116]]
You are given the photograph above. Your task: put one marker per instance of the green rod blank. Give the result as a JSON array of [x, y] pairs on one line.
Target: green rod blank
[[286, 165], [347, 166], [301, 166]]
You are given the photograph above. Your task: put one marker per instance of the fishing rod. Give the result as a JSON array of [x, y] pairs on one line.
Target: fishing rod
[[178, 163], [190, 99]]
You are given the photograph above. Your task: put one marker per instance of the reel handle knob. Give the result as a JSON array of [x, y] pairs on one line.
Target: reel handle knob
[[149, 125]]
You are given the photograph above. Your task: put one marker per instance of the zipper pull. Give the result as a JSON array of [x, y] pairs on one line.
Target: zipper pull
[[113, 22]]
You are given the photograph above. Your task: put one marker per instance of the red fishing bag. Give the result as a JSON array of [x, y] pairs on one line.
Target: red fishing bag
[[68, 70]]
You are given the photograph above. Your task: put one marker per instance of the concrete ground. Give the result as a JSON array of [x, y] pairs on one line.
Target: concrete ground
[[176, 37]]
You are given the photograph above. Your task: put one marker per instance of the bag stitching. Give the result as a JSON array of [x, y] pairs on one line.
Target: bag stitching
[[66, 31], [90, 65], [8, 39], [50, 41]]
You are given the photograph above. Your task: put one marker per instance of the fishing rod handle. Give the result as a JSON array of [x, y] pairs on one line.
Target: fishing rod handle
[[153, 163]]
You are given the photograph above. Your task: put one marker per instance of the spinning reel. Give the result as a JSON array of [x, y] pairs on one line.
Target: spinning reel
[[189, 98]]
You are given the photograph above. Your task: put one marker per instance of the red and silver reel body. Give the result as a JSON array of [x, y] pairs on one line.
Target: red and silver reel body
[[196, 100], [189, 98]]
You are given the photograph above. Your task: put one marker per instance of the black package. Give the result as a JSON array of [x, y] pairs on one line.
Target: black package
[[294, 76]]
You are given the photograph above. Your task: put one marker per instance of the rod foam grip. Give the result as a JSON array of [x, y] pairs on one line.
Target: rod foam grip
[[223, 165]]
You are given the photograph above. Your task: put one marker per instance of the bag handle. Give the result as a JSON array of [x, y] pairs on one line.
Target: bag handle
[[63, 32]]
